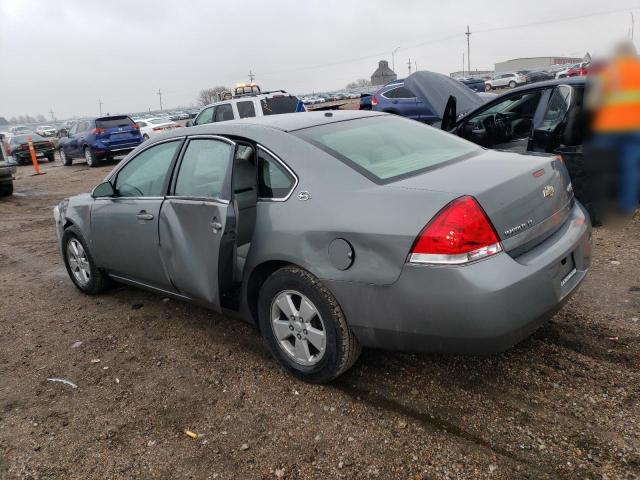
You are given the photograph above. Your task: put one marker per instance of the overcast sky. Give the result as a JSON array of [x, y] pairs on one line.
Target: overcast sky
[[67, 55]]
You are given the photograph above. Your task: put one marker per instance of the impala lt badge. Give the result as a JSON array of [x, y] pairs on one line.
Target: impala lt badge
[[548, 191]]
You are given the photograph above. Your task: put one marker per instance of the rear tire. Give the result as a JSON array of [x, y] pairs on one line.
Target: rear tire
[[66, 160], [51, 158], [487, 88], [6, 189], [341, 348], [90, 157], [79, 260], [512, 84]]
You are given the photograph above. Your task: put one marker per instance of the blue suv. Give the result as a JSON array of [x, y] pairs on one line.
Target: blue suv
[[394, 97], [99, 138]]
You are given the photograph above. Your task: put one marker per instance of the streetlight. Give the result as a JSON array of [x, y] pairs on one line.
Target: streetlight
[[393, 60]]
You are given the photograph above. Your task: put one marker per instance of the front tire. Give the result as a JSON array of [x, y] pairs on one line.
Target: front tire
[[512, 84], [82, 270], [304, 327], [145, 137], [487, 88], [90, 157], [66, 160]]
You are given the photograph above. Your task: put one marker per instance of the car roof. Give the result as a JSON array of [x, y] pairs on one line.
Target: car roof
[[286, 122], [550, 83]]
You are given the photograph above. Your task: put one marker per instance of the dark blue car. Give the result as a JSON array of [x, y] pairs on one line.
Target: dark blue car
[[395, 98], [99, 138]]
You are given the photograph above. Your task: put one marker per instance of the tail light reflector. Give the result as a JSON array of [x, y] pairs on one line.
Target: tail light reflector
[[374, 101], [135, 126], [460, 233], [97, 131]]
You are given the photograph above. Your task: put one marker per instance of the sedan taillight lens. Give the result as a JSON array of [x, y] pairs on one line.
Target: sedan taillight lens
[[460, 233], [374, 101]]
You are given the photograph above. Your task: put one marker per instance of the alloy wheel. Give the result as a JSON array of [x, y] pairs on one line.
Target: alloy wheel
[[298, 327], [78, 262]]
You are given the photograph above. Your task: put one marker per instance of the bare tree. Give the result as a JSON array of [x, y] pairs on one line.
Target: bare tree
[[210, 95], [361, 82], [41, 118]]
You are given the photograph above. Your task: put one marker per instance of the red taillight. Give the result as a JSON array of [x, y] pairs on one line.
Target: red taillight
[[97, 131], [157, 129], [460, 233], [135, 126], [374, 101], [24, 146]]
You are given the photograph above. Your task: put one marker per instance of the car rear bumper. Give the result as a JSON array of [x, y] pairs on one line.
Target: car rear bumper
[[481, 308], [6, 173], [102, 148]]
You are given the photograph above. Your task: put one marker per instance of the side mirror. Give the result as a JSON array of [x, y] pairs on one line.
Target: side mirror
[[189, 123], [105, 189]]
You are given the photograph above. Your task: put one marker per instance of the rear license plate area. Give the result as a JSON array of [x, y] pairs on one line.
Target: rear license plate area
[[567, 270]]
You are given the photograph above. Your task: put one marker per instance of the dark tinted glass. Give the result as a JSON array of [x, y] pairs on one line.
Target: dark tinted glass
[[274, 180], [113, 122], [223, 112], [277, 105], [399, 92], [246, 109]]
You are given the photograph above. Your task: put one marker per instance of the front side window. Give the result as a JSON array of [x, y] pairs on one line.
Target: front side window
[[205, 116], [387, 148], [399, 92], [203, 169], [246, 109], [223, 112], [557, 108], [273, 180], [145, 174]]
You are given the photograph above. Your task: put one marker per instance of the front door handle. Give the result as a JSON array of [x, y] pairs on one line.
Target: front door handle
[[144, 216]]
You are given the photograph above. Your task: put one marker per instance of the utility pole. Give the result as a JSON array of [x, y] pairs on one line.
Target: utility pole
[[632, 26], [100, 106], [409, 65], [468, 34], [251, 76], [415, 64], [463, 64], [160, 95], [52, 116], [393, 58]]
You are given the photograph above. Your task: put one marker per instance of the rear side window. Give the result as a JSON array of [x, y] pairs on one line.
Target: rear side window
[[144, 175], [223, 112], [246, 109], [274, 182], [203, 169], [113, 122], [399, 92], [277, 105], [387, 148]]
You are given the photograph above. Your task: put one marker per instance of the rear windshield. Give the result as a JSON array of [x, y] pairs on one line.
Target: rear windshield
[[25, 138], [388, 148], [113, 122], [277, 105]]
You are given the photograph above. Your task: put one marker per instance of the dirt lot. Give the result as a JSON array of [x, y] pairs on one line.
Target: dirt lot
[[564, 404]]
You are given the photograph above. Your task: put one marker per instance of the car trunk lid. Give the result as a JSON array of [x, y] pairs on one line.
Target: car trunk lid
[[526, 197]]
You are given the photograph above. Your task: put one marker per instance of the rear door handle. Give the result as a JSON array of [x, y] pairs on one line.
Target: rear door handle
[[144, 216], [215, 226]]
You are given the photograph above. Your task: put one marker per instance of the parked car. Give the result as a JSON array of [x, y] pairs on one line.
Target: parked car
[[21, 129], [365, 101], [582, 69], [150, 127], [503, 80], [258, 218], [538, 76], [576, 67], [19, 145], [7, 170], [46, 131], [475, 84], [396, 98], [99, 138], [247, 106], [547, 118]]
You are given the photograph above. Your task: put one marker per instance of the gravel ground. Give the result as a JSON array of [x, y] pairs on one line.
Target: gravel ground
[[563, 404]]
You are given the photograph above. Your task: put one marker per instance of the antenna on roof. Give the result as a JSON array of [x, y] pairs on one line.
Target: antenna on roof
[[251, 76]]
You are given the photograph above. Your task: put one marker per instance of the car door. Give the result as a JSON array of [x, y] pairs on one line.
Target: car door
[[124, 228], [547, 133], [197, 221], [70, 143], [78, 138], [404, 102]]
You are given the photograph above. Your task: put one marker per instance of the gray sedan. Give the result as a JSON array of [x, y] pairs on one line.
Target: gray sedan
[[336, 230]]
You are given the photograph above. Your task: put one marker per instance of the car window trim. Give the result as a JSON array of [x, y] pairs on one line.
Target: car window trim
[[287, 169], [397, 98], [114, 174], [226, 186]]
